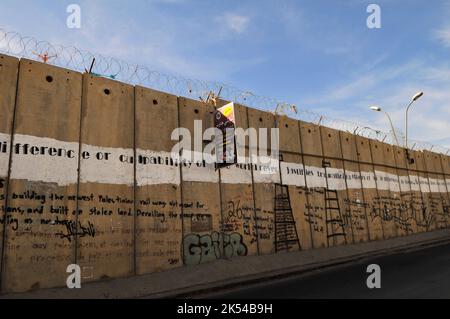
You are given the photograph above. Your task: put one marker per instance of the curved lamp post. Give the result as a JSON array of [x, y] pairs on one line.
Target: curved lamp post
[[379, 109], [414, 99]]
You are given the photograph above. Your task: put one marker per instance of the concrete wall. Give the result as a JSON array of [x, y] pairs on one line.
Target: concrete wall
[[86, 178]]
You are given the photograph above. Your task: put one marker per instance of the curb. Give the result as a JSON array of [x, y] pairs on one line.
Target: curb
[[204, 289]]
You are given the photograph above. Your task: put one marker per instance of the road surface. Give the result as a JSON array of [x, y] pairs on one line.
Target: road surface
[[417, 274]]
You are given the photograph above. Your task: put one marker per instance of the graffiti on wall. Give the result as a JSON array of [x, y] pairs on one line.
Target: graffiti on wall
[[199, 249]]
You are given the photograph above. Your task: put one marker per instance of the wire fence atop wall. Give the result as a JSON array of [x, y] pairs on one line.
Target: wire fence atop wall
[[70, 57]]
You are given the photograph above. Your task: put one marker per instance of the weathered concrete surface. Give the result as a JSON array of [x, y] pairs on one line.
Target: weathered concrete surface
[[312, 156], [132, 209], [188, 281], [9, 68], [236, 189], [384, 194], [294, 177], [397, 203], [201, 206], [106, 186], [437, 187], [370, 190], [158, 190], [356, 205], [429, 201], [339, 219], [47, 114], [264, 183], [445, 164], [419, 218]]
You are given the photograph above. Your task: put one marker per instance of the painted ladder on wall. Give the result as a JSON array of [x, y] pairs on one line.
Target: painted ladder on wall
[[286, 236], [335, 223]]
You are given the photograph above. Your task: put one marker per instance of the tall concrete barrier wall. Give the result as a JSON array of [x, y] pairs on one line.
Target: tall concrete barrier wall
[[88, 177]]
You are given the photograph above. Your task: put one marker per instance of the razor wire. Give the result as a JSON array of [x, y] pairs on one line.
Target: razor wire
[[70, 57]]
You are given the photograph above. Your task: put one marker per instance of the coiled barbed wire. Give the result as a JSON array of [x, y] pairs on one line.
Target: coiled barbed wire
[[70, 57]]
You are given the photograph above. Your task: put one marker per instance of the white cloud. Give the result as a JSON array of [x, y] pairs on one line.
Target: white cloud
[[234, 22], [443, 35], [392, 89]]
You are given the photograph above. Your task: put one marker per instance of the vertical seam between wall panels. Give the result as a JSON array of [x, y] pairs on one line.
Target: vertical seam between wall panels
[[84, 79], [410, 190], [446, 188], [181, 188], [308, 207], [365, 204], [221, 225], [8, 177], [347, 191], [412, 196], [430, 196], [134, 184], [397, 172], [398, 229], [255, 215], [378, 191], [441, 194], [326, 183]]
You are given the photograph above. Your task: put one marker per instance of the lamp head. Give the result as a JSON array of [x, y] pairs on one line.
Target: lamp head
[[417, 96], [375, 108]]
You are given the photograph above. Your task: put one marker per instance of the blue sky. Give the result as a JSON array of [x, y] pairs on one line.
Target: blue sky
[[317, 54]]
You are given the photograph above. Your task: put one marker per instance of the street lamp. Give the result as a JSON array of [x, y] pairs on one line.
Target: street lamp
[[414, 99], [379, 109]]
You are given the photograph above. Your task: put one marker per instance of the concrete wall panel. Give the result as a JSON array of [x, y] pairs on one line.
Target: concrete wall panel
[[386, 201], [106, 188], [264, 183], [9, 68], [437, 187], [445, 164], [158, 191], [340, 219], [409, 191], [203, 238], [42, 189], [315, 183], [370, 190], [428, 218], [355, 205], [399, 206], [238, 203], [293, 177]]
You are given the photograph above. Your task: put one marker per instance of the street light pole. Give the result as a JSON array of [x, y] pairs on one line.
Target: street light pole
[[414, 99], [378, 109]]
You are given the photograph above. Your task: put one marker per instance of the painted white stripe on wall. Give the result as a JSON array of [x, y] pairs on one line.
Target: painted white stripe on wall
[[43, 168], [4, 157], [292, 174], [266, 170], [424, 186], [353, 180], [114, 170], [442, 188], [368, 180], [434, 187], [405, 185], [336, 178], [157, 168], [154, 168], [199, 171], [415, 184], [382, 180], [236, 174], [315, 177]]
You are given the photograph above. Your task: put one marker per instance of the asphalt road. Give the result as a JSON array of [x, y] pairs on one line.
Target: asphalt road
[[416, 274]]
